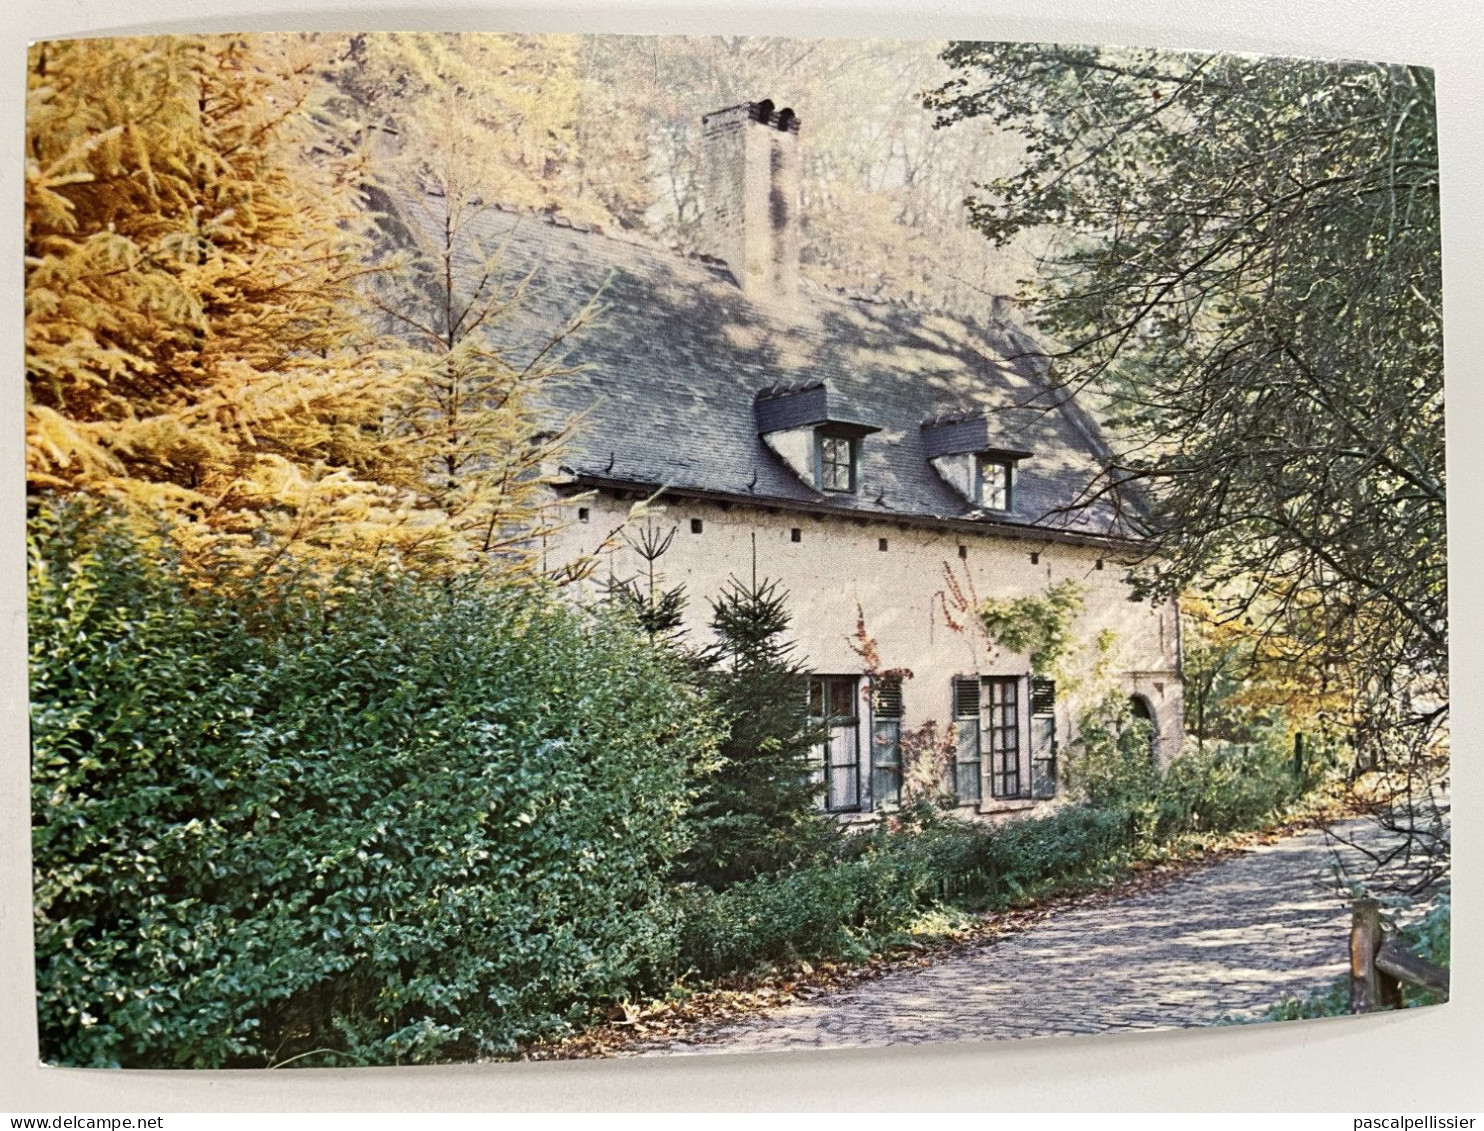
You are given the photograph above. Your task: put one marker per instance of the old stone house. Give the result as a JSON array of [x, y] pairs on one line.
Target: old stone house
[[888, 465]]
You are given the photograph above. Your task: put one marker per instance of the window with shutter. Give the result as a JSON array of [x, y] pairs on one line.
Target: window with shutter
[[1043, 738], [833, 701], [966, 723]]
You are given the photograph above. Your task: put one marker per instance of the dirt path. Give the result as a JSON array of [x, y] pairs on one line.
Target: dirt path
[[1229, 940]]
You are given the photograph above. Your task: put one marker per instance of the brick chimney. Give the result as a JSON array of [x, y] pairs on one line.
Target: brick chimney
[[751, 178]]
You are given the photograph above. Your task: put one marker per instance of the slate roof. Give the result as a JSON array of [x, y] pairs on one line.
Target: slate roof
[[663, 380]]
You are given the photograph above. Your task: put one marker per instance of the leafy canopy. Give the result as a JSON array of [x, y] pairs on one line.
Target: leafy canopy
[[1247, 273]]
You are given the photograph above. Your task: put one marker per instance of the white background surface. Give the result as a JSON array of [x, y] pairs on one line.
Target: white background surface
[[1428, 1060]]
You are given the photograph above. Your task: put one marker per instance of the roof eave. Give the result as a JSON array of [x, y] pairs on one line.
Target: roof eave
[[996, 528]]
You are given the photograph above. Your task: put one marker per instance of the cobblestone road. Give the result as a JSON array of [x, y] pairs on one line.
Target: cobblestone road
[[1231, 939]]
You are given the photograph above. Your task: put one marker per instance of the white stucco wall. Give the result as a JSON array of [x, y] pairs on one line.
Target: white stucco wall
[[837, 571]]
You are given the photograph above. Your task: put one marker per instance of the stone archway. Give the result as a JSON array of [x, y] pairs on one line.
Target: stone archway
[[1143, 710]]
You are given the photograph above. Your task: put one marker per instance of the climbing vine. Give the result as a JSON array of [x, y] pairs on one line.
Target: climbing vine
[[864, 645], [927, 764]]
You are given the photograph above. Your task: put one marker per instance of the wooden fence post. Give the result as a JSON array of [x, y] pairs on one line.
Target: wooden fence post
[[1370, 988]]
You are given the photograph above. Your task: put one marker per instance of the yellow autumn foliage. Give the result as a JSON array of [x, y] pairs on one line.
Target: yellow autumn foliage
[[513, 100], [1249, 665], [200, 348], [191, 348]]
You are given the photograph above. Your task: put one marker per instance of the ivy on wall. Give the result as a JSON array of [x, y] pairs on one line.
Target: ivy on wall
[[1040, 627]]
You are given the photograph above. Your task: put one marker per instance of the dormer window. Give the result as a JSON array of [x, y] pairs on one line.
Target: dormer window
[[837, 461], [992, 483], [814, 434], [975, 460]]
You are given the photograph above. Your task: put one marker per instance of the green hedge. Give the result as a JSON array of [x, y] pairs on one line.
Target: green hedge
[[827, 910], [883, 880], [375, 820], [400, 822], [886, 879]]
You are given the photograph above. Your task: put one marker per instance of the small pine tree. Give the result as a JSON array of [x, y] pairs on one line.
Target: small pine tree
[[757, 809], [468, 407], [660, 613]]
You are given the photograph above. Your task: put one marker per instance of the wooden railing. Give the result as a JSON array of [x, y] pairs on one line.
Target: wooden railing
[[1379, 964]]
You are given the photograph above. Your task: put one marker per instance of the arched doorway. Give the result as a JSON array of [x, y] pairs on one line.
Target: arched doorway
[[1143, 710]]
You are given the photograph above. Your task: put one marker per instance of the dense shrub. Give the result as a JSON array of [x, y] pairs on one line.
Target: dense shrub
[[1226, 787], [826, 910], [1430, 937], [883, 879], [886, 879], [1218, 789], [993, 865], [398, 822], [1112, 764], [1018, 858]]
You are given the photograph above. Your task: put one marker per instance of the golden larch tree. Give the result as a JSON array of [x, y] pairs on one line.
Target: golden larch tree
[[192, 262]]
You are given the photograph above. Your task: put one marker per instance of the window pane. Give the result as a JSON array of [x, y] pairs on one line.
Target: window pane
[[833, 698], [994, 484], [843, 770], [1004, 737], [835, 463], [842, 698]]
